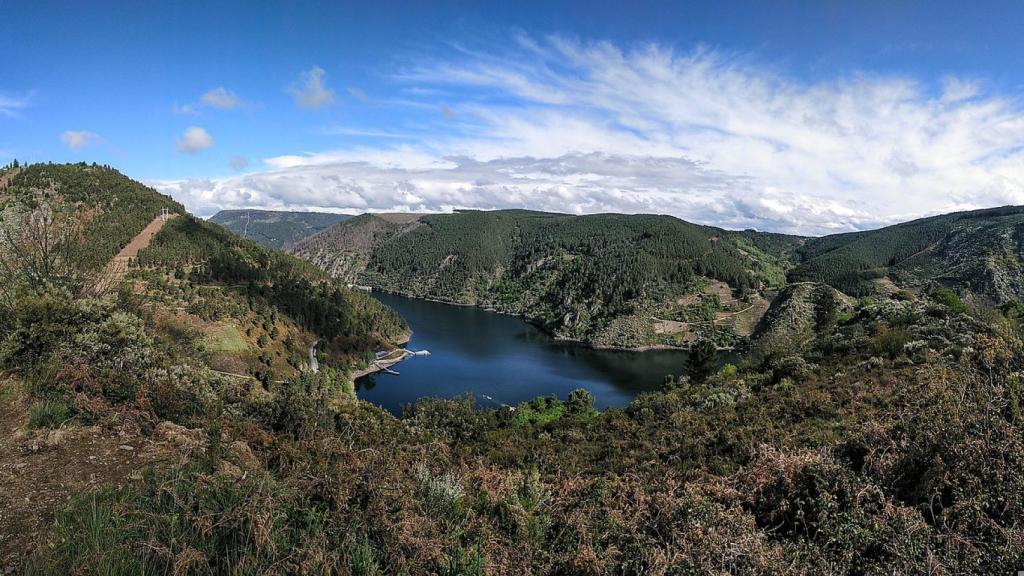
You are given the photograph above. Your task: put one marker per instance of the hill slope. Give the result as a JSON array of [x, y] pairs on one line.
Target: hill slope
[[109, 207], [609, 279], [275, 229], [236, 305], [884, 435], [981, 251]]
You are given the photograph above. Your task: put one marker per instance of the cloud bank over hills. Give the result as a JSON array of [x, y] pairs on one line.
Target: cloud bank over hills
[[582, 127]]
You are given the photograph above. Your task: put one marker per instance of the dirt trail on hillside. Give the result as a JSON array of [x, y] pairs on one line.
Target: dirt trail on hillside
[[117, 268]]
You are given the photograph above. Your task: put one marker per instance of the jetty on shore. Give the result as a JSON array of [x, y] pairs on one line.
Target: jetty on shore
[[385, 359]]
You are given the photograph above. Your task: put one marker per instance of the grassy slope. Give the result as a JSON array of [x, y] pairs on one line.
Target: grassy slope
[[278, 302]]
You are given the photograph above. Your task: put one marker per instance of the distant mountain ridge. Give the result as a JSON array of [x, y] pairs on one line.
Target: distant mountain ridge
[[275, 229], [979, 252], [607, 279], [643, 280]]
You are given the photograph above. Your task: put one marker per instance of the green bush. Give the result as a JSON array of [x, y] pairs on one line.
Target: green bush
[[49, 413], [949, 299]]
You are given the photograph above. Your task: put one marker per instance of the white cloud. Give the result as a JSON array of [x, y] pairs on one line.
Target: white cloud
[[220, 97], [75, 139], [586, 127], [193, 140], [10, 104], [310, 91], [184, 109]]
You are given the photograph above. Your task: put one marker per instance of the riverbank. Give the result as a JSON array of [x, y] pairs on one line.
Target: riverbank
[[383, 364], [540, 325]]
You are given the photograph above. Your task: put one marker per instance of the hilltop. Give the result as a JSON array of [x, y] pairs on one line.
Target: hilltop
[[980, 252], [101, 363], [606, 279], [105, 206], [274, 229]]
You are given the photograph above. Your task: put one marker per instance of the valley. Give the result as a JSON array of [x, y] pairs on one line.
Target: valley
[[607, 280], [850, 402]]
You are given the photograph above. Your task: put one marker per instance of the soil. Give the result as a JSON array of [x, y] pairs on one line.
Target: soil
[[116, 269], [41, 469]]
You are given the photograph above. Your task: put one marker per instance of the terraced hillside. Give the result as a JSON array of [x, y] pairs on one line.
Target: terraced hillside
[[608, 279]]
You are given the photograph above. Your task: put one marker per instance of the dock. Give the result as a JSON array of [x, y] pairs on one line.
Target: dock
[[385, 359]]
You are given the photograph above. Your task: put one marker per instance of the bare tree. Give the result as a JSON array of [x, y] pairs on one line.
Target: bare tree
[[41, 249]]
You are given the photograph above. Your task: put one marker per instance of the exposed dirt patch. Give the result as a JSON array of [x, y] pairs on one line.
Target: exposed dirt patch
[[673, 327], [399, 218], [746, 320], [41, 469], [116, 269], [722, 290], [886, 286]]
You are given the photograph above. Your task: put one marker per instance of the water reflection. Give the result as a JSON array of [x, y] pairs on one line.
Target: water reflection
[[506, 359]]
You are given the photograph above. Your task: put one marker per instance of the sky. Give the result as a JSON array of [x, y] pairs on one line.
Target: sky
[[798, 117]]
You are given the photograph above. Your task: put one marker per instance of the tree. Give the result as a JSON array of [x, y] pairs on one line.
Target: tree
[[580, 402], [41, 250], [699, 361]]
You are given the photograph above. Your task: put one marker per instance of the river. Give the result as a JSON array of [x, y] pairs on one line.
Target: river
[[502, 359]]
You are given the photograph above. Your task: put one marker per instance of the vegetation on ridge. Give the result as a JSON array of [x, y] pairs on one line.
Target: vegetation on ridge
[[981, 252], [866, 436], [274, 229], [603, 278]]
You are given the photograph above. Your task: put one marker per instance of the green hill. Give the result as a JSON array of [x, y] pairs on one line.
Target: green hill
[[168, 427], [275, 229], [609, 279], [980, 252], [238, 306], [110, 207]]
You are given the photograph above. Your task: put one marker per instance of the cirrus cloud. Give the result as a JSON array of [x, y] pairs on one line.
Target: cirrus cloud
[[10, 104], [709, 137]]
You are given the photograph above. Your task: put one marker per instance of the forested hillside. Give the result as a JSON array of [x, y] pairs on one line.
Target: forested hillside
[[208, 298], [169, 427], [980, 252], [274, 229], [609, 279], [106, 207], [214, 272]]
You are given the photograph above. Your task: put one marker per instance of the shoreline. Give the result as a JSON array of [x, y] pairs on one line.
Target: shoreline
[[380, 365], [524, 318]]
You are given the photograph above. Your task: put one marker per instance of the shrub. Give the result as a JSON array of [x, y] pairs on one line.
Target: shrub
[[580, 403], [948, 298]]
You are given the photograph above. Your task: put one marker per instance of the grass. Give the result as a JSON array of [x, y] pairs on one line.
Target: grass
[[90, 528], [49, 413], [224, 338]]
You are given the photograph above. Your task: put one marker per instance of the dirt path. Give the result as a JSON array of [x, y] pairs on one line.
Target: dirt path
[[41, 469], [117, 268]]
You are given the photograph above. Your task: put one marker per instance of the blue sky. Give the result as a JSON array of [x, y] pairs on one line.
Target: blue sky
[[792, 116]]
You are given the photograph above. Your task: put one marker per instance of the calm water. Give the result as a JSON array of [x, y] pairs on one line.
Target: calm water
[[506, 359]]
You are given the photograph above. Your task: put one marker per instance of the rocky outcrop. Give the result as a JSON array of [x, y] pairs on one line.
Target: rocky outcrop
[[797, 315]]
